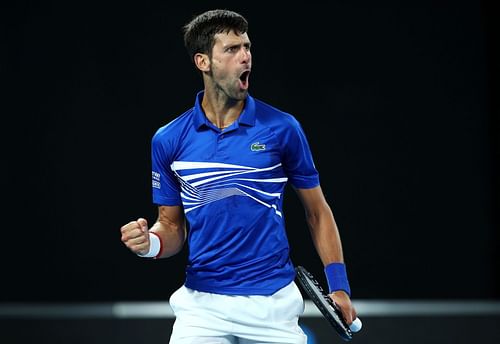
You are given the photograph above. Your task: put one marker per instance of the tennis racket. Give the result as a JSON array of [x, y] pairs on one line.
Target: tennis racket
[[324, 303]]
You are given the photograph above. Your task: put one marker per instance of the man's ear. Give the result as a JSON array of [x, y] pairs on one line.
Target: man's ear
[[202, 62]]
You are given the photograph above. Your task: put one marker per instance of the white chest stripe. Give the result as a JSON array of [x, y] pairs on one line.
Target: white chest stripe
[[211, 186]]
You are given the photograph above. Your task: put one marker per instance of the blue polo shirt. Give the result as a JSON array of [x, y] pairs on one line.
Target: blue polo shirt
[[230, 183]]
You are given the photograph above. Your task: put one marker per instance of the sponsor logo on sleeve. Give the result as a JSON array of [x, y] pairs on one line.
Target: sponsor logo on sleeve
[[156, 180]]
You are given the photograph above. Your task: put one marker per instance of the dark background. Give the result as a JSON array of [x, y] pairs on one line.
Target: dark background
[[399, 101]]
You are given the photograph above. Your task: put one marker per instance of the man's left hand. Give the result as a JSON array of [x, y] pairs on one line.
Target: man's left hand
[[342, 300]]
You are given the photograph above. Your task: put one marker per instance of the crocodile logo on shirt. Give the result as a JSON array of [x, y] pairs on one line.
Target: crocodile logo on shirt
[[256, 146]]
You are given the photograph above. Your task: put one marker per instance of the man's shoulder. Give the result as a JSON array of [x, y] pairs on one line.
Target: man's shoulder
[[176, 125], [274, 117], [268, 112]]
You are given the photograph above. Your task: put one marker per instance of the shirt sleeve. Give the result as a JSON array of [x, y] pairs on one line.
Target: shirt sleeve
[[166, 188], [297, 158]]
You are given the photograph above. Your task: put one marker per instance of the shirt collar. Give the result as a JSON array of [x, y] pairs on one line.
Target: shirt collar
[[247, 116]]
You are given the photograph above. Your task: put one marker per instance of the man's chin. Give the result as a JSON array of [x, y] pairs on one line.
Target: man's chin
[[238, 95], [242, 95]]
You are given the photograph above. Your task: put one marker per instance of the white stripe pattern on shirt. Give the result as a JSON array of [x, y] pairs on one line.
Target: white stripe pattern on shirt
[[213, 184]]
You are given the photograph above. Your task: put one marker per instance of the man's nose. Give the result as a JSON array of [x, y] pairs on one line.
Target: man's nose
[[246, 56]]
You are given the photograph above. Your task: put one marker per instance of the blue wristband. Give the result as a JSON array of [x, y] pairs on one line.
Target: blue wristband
[[336, 276]]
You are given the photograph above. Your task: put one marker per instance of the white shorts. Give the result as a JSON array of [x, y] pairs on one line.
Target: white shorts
[[214, 318]]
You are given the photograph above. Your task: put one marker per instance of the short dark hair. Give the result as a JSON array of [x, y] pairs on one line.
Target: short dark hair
[[200, 31]]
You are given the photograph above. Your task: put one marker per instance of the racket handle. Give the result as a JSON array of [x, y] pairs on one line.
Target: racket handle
[[356, 325]]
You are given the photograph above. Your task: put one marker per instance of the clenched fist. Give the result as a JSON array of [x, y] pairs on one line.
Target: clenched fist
[[135, 236]]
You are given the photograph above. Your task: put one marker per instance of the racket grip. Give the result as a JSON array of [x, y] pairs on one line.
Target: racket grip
[[356, 325]]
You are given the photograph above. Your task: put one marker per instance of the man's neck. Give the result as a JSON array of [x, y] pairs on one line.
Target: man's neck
[[220, 110]]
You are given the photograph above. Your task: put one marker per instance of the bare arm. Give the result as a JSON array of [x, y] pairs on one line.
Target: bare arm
[[324, 231], [326, 239], [170, 227]]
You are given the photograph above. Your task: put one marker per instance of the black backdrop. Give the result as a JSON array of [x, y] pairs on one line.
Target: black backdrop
[[398, 99]]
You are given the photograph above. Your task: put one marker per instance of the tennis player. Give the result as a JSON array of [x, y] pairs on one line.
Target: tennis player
[[223, 166]]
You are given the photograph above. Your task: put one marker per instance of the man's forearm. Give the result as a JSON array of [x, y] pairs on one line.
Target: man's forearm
[[325, 236], [172, 237]]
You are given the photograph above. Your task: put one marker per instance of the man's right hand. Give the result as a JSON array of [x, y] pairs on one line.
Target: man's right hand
[[135, 235]]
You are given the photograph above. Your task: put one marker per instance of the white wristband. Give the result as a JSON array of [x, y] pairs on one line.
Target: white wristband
[[154, 246]]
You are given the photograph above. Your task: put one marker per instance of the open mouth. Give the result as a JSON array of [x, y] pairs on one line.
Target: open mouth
[[244, 78]]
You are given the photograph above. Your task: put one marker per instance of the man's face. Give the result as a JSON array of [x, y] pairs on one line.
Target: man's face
[[231, 63]]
